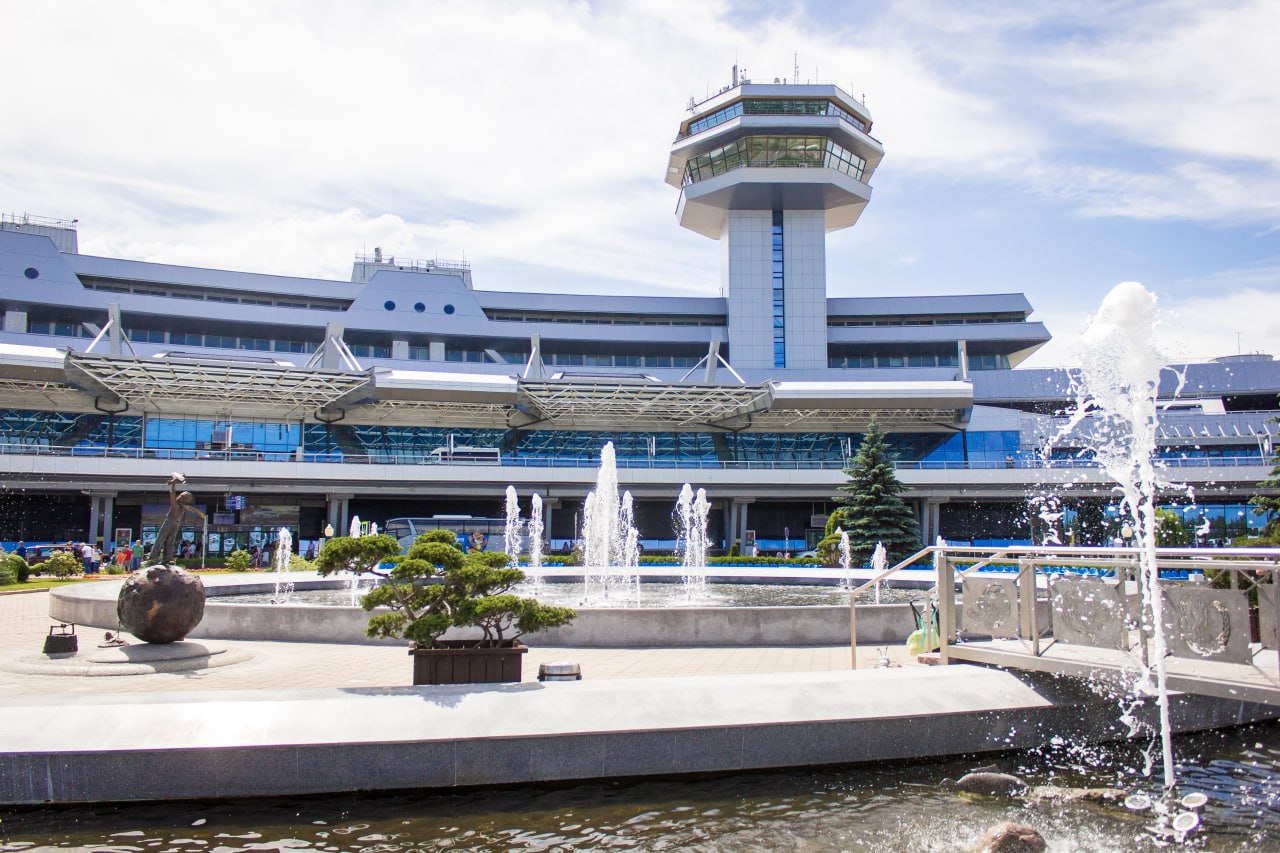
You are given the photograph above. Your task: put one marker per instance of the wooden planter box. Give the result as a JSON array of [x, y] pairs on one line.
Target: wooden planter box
[[461, 662]]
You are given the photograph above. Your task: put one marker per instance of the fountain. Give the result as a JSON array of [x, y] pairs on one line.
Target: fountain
[[691, 519], [606, 534], [354, 585], [879, 562], [284, 552], [511, 531], [1119, 379], [535, 540], [846, 557]]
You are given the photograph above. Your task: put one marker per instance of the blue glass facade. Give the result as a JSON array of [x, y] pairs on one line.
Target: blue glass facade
[[779, 295]]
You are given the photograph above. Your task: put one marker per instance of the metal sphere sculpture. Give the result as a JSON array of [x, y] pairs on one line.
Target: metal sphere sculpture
[[161, 604]]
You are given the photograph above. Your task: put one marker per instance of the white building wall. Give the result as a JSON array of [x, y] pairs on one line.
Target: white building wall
[[747, 284], [804, 244]]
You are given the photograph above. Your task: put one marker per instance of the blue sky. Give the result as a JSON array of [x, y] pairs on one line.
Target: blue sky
[[1029, 147]]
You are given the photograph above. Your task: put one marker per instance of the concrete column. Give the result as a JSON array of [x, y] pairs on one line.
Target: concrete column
[[93, 519], [548, 508], [108, 519], [435, 349], [731, 524], [336, 513], [742, 523], [399, 349]]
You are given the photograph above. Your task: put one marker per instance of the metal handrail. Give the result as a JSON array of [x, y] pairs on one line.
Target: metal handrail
[[335, 455], [1123, 559]]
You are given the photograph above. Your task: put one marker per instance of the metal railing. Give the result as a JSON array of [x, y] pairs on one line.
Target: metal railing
[[1246, 569], [337, 456]]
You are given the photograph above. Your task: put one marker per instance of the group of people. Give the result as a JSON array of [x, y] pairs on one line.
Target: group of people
[[93, 558]]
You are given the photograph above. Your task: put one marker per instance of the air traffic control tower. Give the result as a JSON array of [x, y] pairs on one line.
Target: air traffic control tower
[[767, 169]]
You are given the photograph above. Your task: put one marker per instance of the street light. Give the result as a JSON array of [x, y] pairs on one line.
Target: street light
[[328, 531], [1126, 533]]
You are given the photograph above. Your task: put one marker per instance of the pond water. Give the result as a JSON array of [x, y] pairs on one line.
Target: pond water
[[651, 595], [886, 808]]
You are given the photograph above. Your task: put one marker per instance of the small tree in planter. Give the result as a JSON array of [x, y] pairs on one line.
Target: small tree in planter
[[436, 587]]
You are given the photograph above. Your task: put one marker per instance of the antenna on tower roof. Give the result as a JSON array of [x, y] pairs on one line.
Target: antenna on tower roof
[[796, 69]]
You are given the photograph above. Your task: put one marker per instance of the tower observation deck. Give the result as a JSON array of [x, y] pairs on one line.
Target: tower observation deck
[[768, 169]]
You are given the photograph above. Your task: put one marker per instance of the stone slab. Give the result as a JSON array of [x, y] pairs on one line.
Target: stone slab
[[114, 747]]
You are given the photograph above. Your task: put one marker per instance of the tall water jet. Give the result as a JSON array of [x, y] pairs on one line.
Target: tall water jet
[[630, 545], [879, 562], [1119, 380], [353, 584], [373, 528], [691, 518], [846, 558], [284, 551], [535, 539], [603, 535], [511, 530]]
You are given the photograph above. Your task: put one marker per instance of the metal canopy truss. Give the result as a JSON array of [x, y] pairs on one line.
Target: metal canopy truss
[[216, 387], [642, 405], [43, 395], [46, 378], [857, 420], [434, 414]]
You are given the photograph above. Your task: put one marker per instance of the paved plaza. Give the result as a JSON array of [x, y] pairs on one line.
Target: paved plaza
[[24, 621]]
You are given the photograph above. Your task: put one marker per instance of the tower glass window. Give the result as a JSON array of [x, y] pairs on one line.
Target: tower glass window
[[775, 152], [779, 295], [775, 107]]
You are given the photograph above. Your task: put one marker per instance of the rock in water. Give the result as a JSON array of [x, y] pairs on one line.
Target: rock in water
[[1011, 838], [990, 784], [161, 604]]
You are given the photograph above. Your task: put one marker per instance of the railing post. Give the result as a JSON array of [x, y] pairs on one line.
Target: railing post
[[853, 630], [1027, 604], [946, 603]]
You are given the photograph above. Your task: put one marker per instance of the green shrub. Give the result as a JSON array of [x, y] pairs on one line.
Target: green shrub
[[17, 567], [239, 561], [8, 577], [61, 565], [116, 569], [298, 563]]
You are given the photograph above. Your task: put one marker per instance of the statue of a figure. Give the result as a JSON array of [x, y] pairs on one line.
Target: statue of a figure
[[165, 546]]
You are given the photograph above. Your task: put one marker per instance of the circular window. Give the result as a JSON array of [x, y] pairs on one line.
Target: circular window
[[419, 307], [31, 272], [389, 305], [448, 309]]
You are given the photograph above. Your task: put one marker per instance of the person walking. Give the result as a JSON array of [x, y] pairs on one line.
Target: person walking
[[86, 558], [135, 556]]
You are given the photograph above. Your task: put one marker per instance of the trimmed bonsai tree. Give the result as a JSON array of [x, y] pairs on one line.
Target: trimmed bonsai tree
[[436, 587]]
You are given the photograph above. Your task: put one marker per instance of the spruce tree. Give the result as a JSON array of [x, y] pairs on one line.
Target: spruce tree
[[1262, 504], [871, 510]]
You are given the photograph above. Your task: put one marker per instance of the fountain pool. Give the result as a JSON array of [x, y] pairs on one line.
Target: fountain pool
[[895, 807], [651, 595]]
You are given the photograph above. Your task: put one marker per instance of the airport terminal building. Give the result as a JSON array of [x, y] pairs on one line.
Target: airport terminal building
[[406, 391]]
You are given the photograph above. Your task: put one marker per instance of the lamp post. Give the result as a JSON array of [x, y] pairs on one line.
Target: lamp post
[[1126, 533]]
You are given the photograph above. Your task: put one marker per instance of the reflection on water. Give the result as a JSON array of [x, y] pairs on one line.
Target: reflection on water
[[875, 809], [651, 595]]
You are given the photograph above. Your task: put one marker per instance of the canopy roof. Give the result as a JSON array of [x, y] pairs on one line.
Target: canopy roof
[[256, 386]]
